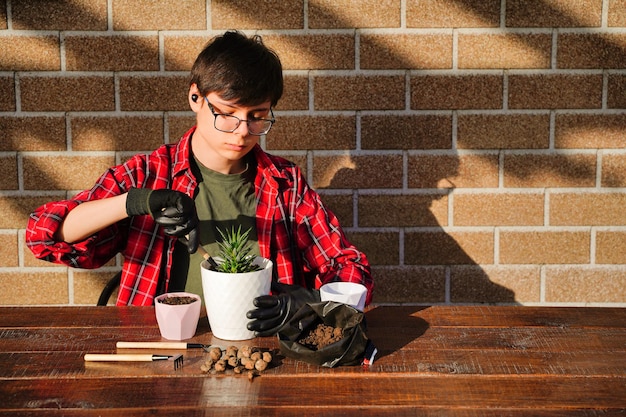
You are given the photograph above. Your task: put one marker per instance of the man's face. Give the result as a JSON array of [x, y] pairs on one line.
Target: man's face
[[226, 129]]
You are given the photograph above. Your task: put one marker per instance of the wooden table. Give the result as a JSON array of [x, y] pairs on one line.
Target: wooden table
[[433, 361]]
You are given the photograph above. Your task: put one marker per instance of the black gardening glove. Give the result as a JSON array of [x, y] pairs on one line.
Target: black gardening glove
[[273, 311], [173, 210]]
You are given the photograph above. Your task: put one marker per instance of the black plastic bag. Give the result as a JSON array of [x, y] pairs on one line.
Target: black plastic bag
[[349, 350]]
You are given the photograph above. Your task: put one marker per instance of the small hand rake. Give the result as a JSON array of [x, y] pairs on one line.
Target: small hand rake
[[126, 357]]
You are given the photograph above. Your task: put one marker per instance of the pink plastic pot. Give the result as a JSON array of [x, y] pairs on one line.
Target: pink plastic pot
[[177, 322]]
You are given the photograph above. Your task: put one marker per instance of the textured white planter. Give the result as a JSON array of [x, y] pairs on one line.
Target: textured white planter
[[228, 297], [177, 322]]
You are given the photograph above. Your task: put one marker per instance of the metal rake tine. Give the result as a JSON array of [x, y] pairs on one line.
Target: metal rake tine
[[178, 361]]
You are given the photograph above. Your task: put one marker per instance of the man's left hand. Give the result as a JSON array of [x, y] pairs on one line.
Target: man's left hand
[[273, 311]]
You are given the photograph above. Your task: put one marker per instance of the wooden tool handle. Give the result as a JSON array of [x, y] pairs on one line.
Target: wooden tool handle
[[203, 252], [151, 345], [105, 357]]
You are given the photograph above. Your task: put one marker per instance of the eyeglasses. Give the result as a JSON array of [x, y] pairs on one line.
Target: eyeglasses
[[229, 123]]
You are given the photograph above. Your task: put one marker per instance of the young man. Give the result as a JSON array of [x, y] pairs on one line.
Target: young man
[[155, 209]]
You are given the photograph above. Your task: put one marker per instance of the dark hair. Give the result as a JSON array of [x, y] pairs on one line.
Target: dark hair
[[239, 68]]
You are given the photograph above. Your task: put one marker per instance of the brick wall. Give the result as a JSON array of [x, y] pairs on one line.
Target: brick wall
[[474, 149]]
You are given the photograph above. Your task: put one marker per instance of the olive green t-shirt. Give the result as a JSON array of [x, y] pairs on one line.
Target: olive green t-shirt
[[222, 201]]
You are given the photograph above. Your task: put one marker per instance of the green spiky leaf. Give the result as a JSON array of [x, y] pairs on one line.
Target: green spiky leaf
[[235, 252]]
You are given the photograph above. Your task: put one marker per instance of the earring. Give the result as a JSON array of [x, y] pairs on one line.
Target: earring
[[194, 97]]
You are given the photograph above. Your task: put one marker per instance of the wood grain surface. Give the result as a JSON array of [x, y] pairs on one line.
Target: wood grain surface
[[432, 361]]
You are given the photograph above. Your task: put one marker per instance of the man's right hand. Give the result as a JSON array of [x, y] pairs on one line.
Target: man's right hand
[[173, 210]]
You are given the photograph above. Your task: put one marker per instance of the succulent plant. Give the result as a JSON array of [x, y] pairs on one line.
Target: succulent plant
[[235, 251]]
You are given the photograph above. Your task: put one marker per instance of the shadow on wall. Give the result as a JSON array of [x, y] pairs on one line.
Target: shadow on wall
[[436, 268]]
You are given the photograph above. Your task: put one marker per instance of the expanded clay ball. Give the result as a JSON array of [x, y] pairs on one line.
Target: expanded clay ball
[[215, 354], [233, 361], [244, 352], [231, 351], [245, 358], [220, 366], [260, 365]]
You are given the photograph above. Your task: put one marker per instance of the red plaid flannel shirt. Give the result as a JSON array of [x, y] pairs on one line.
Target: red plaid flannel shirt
[[294, 228]]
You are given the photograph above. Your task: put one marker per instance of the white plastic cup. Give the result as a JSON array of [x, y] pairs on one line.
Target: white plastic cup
[[349, 293]]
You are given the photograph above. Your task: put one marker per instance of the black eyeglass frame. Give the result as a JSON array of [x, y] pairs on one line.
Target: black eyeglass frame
[[215, 114]]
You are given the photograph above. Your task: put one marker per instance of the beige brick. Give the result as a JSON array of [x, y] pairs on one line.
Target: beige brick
[[445, 92], [617, 13], [59, 15], [32, 289], [8, 173], [3, 16], [409, 284], [89, 284], [555, 91], [550, 170], [38, 133], [544, 247], [326, 14], [585, 285], [298, 159], [405, 51], [494, 284], [359, 92], [453, 171], [112, 53], [64, 172], [403, 210], [614, 170], [380, 248], [251, 14], [501, 209], [553, 13], [179, 125], [68, 93], [375, 171], [30, 53], [591, 50], [166, 93], [590, 131], [295, 93], [590, 209], [313, 132], [341, 205], [299, 52], [610, 247], [7, 94], [406, 132], [9, 250], [617, 91], [159, 15], [453, 248], [503, 131], [181, 51], [31, 262], [452, 13], [116, 133], [15, 210], [507, 51]]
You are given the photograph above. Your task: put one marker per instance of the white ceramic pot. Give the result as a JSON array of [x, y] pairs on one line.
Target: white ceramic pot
[[228, 297], [178, 321]]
